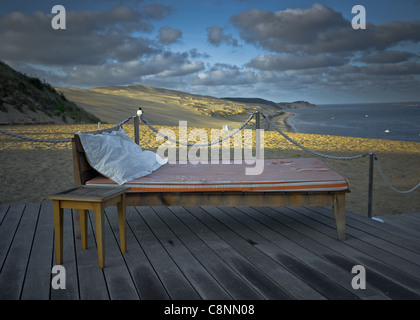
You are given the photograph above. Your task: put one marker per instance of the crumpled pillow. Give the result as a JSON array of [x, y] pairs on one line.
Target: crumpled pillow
[[116, 156]]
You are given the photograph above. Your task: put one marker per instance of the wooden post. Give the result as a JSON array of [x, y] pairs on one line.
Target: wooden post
[[340, 215], [370, 195], [58, 230], [121, 223], [257, 120], [83, 227], [136, 129]]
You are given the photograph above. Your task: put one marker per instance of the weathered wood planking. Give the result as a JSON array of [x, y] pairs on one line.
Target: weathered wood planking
[[209, 252]]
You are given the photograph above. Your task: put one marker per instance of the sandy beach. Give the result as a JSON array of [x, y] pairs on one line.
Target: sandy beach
[[29, 171]]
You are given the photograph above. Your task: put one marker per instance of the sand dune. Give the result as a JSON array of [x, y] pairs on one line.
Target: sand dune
[[163, 106]]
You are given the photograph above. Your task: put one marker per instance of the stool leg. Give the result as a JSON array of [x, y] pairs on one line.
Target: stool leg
[[58, 231], [340, 215], [83, 227], [99, 223], [121, 223]]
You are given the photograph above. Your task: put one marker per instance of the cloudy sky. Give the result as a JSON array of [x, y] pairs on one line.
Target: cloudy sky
[[281, 50]]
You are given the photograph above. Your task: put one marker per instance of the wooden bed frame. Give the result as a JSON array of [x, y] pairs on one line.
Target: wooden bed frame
[[83, 172]]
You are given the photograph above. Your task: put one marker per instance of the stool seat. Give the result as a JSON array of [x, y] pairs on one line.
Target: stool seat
[[86, 198]]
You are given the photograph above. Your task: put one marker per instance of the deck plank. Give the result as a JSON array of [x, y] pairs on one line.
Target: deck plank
[[305, 255], [295, 286], [381, 241], [8, 228], [69, 261], [189, 253], [222, 272], [346, 255], [146, 281], [311, 276], [200, 279], [118, 278], [400, 222], [18, 255], [41, 259], [3, 211], [92, 284], [243, 267], [383, 251], [177, 286]]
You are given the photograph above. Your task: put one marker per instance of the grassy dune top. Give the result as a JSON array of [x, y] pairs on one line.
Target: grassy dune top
[[28, 99], [30, 171]]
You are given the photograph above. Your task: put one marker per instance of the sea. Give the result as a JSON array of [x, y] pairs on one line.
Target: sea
[[392, 121]]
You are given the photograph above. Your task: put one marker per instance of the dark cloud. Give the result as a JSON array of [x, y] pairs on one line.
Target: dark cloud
[[216, 36], [224, 74], [194, 53], [405, 68], [165, 65], [96, 48], [316, 50], [390, 56], [89, 38], [318, 29], [173, 65], [295, 62], [168, 35], [288, 30], [299, 54]]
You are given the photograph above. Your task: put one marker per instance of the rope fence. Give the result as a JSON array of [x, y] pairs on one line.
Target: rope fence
[[34, 139], [55, 140], [198, 144], [373, 156]]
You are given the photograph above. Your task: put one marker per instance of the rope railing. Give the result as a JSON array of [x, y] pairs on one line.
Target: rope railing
[[34, 139], [198, 144], [55, 140], [389, 184], [309, 150]]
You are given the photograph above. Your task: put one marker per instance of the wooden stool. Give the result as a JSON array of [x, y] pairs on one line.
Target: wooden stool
[[89, 198]]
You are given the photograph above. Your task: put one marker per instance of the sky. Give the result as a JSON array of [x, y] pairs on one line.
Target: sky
[[280, 50]]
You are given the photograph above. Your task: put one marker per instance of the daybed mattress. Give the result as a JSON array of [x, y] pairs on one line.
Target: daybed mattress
[[301, 174]]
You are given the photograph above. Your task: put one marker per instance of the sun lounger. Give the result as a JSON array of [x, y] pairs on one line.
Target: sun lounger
[[283, 182]]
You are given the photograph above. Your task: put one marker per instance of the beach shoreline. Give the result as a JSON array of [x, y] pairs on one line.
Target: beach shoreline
[[30, 171], [287, 124], [282, 122]]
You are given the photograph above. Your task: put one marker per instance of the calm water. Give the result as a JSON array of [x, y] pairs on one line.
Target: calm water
[[376, 121]]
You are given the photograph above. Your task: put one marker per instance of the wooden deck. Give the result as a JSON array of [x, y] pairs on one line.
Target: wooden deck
[[211, 253]]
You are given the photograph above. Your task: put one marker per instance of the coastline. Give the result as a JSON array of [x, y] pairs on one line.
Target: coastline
[[287, 124], [282, 121]]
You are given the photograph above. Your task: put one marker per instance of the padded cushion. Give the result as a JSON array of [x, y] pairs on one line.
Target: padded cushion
[[302, 174]]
